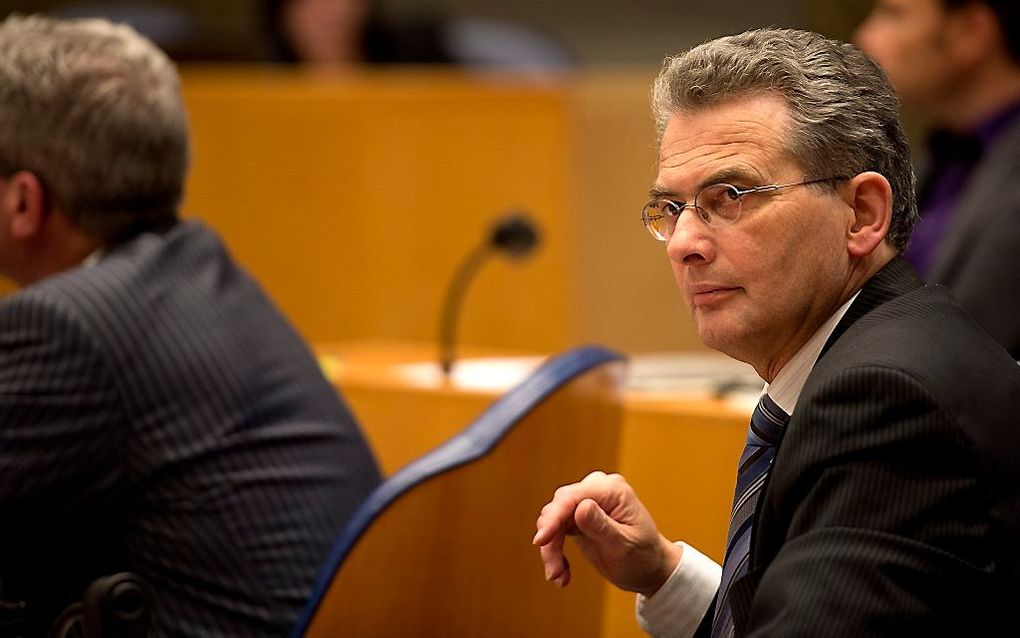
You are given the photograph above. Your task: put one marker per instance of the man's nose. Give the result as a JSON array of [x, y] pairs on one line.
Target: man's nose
[[691, 241]]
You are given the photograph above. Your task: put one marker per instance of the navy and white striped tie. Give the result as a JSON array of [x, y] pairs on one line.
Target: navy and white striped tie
[[767, 424]]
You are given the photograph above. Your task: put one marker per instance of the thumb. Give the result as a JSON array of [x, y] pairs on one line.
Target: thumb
[[593, 522]]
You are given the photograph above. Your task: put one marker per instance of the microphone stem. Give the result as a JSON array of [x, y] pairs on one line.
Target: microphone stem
[[452, 302]]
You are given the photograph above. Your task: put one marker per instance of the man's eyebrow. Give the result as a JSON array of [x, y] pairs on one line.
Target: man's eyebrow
[[737, 176], [731, 175]]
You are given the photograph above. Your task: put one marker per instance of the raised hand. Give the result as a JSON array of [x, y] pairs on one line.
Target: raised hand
[[614, 531]]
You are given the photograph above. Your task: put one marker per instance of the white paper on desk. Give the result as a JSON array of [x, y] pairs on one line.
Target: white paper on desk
[[691, 372], [479, 374]]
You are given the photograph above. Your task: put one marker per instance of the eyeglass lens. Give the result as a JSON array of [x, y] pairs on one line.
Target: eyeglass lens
[[716, 205]]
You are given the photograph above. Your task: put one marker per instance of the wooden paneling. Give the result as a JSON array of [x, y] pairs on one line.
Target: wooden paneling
[[680, 454], [679, 451], [628, 295], [353, 198], [452, 557]]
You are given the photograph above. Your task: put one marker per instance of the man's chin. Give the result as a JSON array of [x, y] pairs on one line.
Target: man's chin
[[717, 339]]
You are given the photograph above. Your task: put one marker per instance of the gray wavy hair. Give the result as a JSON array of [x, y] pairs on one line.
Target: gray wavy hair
[[94, 110], [844, 115]]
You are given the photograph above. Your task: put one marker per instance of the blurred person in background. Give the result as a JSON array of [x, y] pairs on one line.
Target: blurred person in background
[[158, 415], [956, 65], [338, 33], [345, 32]]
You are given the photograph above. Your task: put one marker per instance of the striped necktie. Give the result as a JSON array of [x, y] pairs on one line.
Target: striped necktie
[[767, 423]]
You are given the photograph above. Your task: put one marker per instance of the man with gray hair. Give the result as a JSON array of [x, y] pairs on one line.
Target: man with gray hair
[[878, 493], [157, 414]]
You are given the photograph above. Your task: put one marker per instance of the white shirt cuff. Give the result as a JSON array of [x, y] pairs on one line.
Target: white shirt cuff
[[677, 608]]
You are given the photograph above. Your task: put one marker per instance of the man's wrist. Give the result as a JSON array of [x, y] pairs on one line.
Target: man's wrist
[[671, 553], [678, 607]]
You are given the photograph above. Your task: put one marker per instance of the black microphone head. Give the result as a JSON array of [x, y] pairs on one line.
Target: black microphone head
[[516, 235]]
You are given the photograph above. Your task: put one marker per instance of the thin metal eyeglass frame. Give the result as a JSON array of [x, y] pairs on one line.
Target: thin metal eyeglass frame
[[682, 206]]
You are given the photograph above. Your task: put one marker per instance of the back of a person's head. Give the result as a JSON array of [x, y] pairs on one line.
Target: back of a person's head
[[94, 110], [844, 115]]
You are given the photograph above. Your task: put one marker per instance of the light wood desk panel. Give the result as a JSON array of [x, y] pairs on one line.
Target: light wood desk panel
[[680, 455], [678, 451], [457, 547]]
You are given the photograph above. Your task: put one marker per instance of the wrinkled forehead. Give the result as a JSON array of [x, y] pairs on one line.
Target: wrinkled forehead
[[749, 131]]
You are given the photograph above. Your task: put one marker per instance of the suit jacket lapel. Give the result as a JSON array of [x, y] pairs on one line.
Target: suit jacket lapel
[[894, 279]]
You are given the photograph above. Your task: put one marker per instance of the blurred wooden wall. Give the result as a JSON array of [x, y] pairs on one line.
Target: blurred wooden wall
[[354, 197]]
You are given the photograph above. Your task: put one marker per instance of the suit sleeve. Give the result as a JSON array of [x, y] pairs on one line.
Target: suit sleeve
[[60, 437], [884, 517]]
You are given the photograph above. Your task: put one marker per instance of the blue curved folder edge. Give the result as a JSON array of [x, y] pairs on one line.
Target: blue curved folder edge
[[470, 444]]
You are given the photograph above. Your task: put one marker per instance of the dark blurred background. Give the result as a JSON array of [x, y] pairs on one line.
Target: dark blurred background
[[595, 32]]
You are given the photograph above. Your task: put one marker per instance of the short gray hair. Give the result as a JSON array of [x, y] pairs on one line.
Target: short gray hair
[[844, 115], [94, 110]]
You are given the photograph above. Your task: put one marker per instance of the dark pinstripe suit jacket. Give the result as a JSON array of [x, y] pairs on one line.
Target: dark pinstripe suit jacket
[[893, 507], [158, 414]]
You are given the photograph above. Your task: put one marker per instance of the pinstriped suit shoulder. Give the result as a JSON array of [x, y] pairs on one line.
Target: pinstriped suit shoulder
[[893, 507], [158, 414]]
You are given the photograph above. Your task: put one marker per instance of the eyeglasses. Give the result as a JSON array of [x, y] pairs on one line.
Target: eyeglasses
[[716, 205]]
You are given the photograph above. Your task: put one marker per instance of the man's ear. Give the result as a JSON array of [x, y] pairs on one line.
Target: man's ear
[[24, 205], [870, 198]]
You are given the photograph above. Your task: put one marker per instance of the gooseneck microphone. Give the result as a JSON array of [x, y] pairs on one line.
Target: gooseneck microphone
[[514, 235]]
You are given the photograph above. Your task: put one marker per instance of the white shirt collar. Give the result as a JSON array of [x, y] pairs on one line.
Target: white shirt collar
[[786, 387]]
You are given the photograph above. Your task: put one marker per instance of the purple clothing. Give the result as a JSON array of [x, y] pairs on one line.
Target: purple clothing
[[953, 159]]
